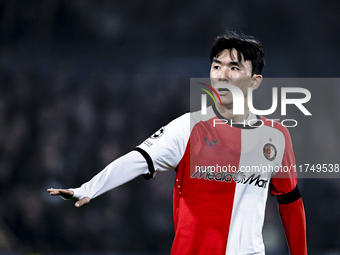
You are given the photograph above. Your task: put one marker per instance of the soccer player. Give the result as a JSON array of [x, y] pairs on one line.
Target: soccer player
[[218, 204]]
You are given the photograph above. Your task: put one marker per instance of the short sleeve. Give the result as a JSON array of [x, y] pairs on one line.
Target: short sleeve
[[165, 148]]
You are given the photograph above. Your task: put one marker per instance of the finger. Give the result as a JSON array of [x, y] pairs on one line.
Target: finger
[[54, 192], [62, 192], [83, 201], [66, 193]]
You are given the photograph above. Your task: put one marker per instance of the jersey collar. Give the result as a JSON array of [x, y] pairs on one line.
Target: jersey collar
[[253, 121]]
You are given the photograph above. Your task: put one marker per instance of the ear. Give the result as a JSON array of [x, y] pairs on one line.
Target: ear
[[257, 79]]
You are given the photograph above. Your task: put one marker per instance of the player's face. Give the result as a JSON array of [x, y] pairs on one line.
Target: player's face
[[228, 70]]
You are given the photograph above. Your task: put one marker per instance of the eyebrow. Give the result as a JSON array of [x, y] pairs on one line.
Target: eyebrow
[[233, 63], [217, 61]]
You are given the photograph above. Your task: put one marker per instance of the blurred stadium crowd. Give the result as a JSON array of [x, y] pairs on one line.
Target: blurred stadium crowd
[[57, 130], [83, 82]]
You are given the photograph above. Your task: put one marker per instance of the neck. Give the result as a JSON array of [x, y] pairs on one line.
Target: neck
[[227, 112]]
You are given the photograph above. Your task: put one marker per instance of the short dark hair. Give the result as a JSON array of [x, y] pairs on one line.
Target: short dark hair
[[247, 46]]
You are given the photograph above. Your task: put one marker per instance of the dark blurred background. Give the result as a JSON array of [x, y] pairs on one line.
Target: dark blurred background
[[83, 82]]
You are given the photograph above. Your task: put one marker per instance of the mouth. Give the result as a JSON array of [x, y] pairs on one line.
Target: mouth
[[223, 90]]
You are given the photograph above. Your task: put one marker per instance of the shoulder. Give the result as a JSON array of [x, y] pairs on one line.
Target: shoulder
[[180, 123], [275, 126], [192, 118], [178, 127]]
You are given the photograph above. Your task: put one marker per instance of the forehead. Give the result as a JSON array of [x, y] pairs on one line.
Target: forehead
[[226, 56], [229, 55]]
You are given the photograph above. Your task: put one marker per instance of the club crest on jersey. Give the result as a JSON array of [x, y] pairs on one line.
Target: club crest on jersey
[[269, 151], [158, 134]]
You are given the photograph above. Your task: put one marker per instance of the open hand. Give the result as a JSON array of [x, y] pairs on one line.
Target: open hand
[[67, 194]]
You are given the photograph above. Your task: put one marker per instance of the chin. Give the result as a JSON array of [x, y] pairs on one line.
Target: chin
[[227, 104], [226, 101]]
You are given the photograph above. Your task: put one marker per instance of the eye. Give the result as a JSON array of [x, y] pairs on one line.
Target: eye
[[217, 67], [235, 68]]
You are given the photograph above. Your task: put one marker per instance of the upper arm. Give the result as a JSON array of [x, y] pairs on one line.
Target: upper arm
[[164, 149], [284, 182]]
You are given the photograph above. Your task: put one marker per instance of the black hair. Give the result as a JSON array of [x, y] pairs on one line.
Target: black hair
[[247, 46]]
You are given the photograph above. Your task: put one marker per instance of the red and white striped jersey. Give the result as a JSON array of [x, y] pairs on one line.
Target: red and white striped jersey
[[224, 172]]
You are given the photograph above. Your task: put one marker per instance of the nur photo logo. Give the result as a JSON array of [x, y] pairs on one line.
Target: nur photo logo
[[238, 102]]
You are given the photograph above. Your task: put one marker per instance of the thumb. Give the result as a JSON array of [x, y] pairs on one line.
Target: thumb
[[83, 201]]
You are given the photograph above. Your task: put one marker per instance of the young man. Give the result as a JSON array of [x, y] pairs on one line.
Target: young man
[[217, 212]]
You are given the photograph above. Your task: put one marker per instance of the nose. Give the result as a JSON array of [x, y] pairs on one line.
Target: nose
[[224, 75], [223, 79]]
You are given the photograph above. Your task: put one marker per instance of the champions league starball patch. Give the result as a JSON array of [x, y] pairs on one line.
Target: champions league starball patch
[[269, 151], [158, 134]]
